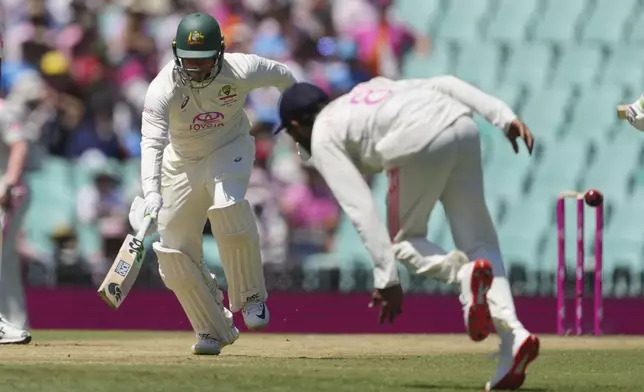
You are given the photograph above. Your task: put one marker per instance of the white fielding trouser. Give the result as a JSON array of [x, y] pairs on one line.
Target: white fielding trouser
[[450, 170]]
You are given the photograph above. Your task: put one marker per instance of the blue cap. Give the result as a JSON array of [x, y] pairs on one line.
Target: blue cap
[[299, 101]]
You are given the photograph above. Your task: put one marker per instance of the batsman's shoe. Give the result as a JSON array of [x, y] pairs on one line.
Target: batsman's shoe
[[208, 345], [515, 354], [476, 279], [256, 315], [10, 334]]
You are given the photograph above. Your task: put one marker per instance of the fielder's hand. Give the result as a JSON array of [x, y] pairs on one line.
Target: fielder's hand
[[152, 203], [390, 302], [518, 129], [635, 115]]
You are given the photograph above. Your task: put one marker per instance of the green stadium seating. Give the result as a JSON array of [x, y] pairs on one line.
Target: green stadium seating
[[612, 169], [528, 218], [561, 21], [478, 64], [512, 20], [211, 258], [579, 65], [545, 112], [624, 67], [606, 24], [560, 170], [437, 62], [594, 113], [463, 20], [528, 65], [421, 15]]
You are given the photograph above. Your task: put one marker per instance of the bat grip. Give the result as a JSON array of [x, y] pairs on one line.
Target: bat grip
[[147, 221]]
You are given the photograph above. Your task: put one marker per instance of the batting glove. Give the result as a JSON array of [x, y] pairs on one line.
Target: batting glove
[[635, 114], [152, 203]]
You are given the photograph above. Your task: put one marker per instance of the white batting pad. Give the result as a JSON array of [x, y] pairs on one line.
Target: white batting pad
[[235, 230], [197, 292]]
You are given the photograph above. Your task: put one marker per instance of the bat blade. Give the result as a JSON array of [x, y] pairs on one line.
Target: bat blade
[[621, 111], [123, 273]]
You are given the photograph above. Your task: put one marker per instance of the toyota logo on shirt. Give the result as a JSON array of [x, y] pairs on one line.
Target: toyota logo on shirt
[[207, 120]]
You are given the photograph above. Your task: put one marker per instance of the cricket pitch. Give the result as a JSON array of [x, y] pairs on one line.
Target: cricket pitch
[[161, 361]]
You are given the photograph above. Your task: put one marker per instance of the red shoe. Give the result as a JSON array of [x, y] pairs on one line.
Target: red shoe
[[526, 352], [474, 287]]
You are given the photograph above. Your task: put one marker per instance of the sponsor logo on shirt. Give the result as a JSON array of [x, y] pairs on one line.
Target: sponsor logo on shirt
[[207, 120], [185, 102], [227, 94]]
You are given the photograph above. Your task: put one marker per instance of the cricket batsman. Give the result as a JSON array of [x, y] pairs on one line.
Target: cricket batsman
[[13, 155], [421, 132], [196, 159]]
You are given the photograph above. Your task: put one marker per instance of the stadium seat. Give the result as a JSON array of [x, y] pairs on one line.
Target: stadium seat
[[511, 94], [421, 15], [545, 111], [437, 62], [520, 234], [478, 64], [607, 22], [528, 65], [506, 175], [636, 34], [463, 20], [561, 20], [624, 67], [623, 240], [51, 206], [560, 170], [613, 168], [512, 20], [578, 66], [594, 113]]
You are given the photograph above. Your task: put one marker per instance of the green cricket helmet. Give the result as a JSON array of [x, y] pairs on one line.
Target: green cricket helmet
[[198, 37]]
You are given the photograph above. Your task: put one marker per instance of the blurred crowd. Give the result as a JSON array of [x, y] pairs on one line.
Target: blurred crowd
[[78, 70]]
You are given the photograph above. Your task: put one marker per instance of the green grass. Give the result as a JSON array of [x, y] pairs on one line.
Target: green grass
[[87, 361]]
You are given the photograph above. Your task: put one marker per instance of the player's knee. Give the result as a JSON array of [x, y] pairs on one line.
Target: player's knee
[[235, 222], [177, 270]]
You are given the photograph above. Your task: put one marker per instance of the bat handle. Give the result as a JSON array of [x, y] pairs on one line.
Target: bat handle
[[147, 221]]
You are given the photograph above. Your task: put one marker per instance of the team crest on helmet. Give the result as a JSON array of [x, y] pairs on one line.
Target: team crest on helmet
[[195, 38]]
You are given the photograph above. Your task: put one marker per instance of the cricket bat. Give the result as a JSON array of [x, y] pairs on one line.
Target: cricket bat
[[125, 269], [621, 111]]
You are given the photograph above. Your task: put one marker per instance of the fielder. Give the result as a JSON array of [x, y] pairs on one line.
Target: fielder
[[13, 155], [635, 114], [196, 160], [422, 133]]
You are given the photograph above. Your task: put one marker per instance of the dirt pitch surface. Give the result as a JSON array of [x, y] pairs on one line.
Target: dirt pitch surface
[[74, 361]]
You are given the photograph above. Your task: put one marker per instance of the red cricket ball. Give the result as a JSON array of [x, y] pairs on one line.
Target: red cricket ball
[[593, 198]]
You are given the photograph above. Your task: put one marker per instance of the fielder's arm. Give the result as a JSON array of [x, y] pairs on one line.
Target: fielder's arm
[[154, 135], [633, 112], [495, 111], [354, 196]]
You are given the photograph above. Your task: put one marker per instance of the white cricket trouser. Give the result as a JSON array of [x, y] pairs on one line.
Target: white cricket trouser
[[189, 188], [12, 297], [215, 186], [450, 170]]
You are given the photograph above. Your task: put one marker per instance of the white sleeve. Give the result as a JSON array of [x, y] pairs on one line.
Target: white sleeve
[[495, 111], [262, 72], [354, 196], [154, 136]]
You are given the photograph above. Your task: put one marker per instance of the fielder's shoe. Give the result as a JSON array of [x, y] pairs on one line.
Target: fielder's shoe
[[207, 345], [10, 334], [476, 279], [515, 354], [256, 315]]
